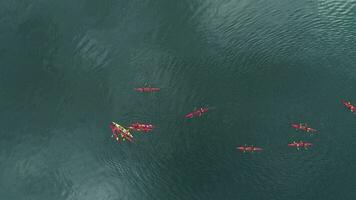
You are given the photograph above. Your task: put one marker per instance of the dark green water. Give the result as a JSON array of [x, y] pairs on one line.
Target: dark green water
[[69, 68]]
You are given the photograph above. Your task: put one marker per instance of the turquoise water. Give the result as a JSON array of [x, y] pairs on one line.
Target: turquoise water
[[68, 69]]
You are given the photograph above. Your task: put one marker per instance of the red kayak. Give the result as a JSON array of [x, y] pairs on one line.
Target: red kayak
[[349, 106], [147, 89], [300, 144], [197, 113], [249, 148], [141, 127], [303, 128]]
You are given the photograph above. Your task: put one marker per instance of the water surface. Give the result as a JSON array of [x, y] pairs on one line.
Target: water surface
[[67, 70]]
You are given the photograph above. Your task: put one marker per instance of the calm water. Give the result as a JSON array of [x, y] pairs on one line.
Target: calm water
[[69, 68]]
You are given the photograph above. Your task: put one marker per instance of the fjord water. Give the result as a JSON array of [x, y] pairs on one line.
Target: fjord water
[[68, 68]]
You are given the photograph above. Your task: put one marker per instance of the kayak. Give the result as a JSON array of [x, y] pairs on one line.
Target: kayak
[[300, 144], [348, 105], [249, 148], [147, 89], [196, 113], [303, 128], [119, 131], [141, 127]]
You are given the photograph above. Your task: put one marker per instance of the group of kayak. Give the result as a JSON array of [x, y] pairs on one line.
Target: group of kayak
[[120, 133], [298, 145], [301, 127]]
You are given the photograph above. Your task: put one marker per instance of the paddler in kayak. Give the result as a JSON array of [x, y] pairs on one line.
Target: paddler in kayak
[[348, 105], [249, 148], [352, 108], [141, 127], [147, 88], [303, 127], [307, 129], [196, 113], [301, 144]]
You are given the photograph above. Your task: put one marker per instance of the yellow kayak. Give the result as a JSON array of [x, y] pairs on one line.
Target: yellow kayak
[[125, 133]]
